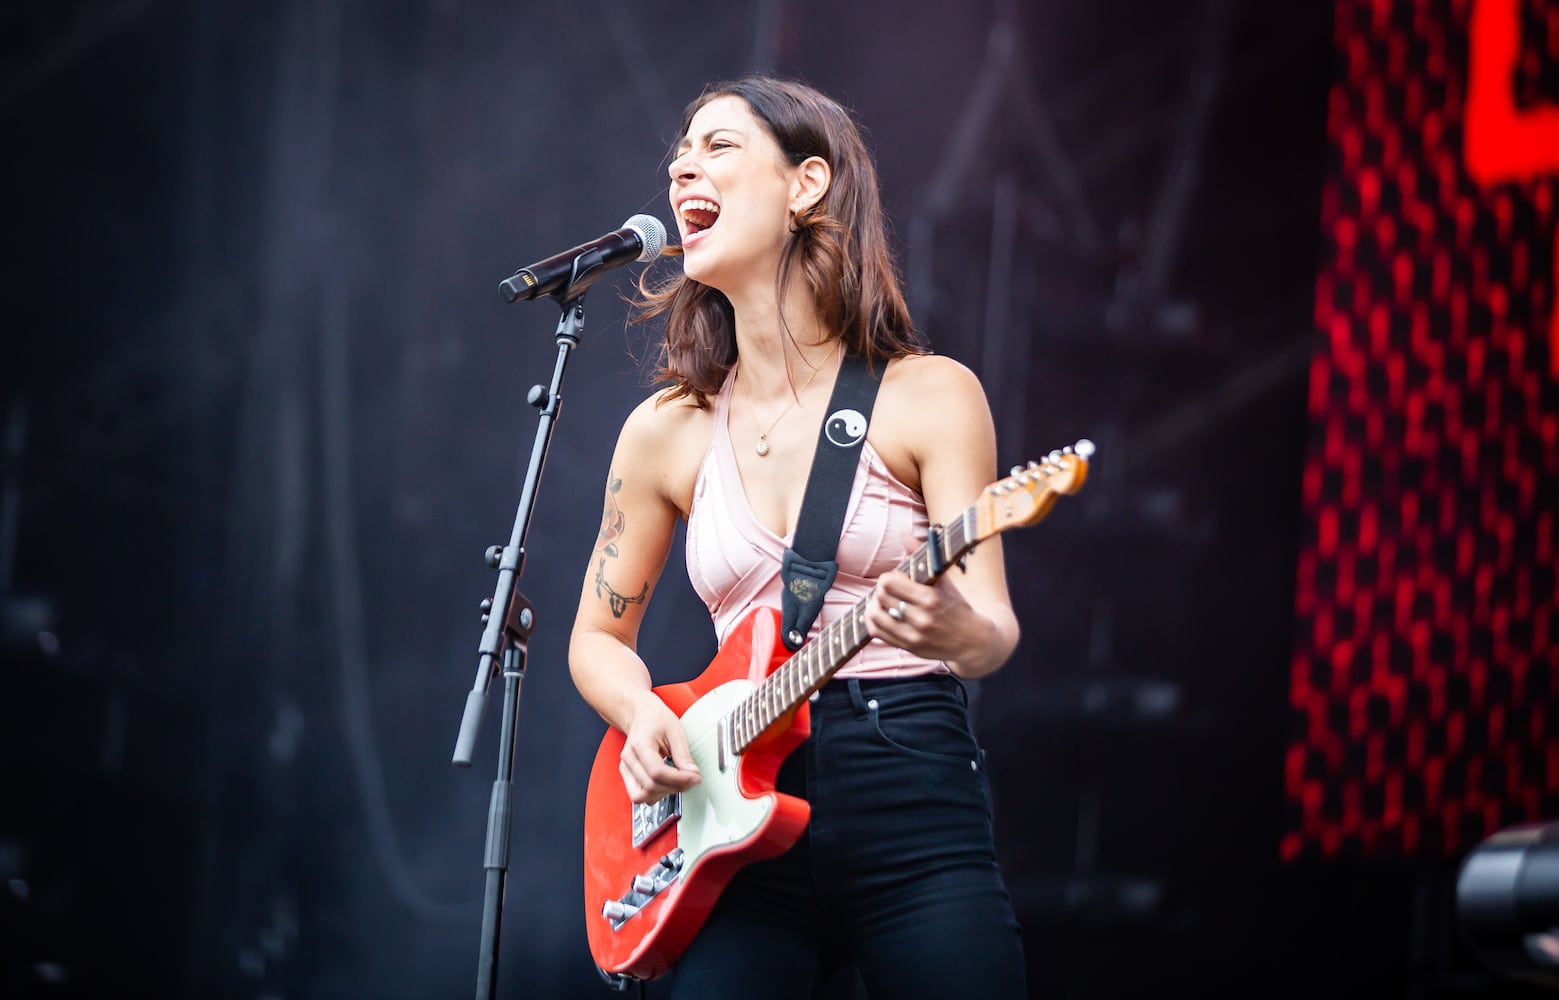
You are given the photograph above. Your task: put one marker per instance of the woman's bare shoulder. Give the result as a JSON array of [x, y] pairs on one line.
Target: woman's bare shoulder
[[925, 390], [664, 439], [662, 413]]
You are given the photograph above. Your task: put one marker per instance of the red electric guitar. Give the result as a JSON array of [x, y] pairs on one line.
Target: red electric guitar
[[653, 872]]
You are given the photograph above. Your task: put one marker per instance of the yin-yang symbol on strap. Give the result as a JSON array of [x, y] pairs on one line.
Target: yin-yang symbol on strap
[[845, 428]]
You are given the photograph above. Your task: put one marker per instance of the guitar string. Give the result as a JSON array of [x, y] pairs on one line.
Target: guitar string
[[708, 742], [953, 538]]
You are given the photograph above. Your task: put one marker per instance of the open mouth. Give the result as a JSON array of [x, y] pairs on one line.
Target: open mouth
[[698, 215]]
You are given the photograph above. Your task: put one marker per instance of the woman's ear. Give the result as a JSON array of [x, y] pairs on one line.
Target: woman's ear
[[811, 182]]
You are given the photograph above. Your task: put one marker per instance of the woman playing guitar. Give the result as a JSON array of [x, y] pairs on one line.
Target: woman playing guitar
[[786, 269]]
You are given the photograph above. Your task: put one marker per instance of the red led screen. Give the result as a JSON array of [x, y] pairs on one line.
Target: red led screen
[[1425, 679]]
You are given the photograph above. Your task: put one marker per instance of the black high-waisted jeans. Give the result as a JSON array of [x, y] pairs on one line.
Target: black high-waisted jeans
[[896, 869]]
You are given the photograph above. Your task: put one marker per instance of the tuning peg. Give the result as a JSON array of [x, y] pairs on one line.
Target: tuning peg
[[1084, 448], [1015, 470], [1055, 457]]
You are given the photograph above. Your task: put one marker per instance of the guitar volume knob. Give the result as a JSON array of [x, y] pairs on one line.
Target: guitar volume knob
[[616, 909]]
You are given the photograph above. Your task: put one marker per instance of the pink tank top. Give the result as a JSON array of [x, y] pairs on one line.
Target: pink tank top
[[733, 559]]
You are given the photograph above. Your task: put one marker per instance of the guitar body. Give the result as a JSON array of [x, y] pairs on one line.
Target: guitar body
[[731, 818]]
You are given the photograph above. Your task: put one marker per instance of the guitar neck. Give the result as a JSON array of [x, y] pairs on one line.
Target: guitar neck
[[820, 659]]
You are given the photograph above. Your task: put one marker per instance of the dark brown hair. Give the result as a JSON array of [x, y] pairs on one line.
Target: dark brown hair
[[839, 246]]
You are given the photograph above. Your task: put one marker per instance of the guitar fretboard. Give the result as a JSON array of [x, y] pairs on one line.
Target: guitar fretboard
[[841, 639]]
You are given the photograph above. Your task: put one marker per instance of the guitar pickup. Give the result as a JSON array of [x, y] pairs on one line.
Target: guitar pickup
[[649, 820]]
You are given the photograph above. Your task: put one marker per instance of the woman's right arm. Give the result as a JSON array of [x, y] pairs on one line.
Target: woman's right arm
[[638, 522]]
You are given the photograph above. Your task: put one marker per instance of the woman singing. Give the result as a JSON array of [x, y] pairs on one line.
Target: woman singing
[[786, 270]]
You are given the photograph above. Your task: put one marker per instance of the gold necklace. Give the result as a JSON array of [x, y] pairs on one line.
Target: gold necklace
[[762, 447]]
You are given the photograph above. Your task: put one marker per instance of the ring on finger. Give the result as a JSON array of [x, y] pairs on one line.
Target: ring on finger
[[897, 613]]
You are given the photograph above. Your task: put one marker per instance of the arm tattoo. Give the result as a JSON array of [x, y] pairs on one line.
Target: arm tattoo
[[612, 524], [611, 521], [618, 601]]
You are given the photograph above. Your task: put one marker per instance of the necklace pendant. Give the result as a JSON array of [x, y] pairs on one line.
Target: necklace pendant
[[763, 445]]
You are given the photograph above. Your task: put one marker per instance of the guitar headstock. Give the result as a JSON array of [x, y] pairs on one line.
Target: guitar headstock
[[1027, 495]]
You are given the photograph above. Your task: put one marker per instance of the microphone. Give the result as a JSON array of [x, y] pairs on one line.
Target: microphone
[[642, 237]]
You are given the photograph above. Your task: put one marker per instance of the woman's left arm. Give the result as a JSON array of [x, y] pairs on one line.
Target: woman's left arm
[[938, 411]]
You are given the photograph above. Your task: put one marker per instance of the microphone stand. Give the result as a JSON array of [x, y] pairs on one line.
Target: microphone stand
[[510, 619]]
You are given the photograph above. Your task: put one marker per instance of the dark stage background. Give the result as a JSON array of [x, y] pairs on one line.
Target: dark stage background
[[262, 410]]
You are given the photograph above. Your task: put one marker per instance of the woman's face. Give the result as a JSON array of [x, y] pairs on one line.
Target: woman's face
[[731, 193]]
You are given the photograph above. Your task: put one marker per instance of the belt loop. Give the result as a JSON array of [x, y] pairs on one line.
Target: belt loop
[[963, 690], [857, 700]]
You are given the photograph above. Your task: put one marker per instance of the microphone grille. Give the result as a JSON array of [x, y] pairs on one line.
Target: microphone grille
[[652, 233]]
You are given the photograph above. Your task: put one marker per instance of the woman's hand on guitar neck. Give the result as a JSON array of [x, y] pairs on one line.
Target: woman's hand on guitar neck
[[938, 623], [654, 737]]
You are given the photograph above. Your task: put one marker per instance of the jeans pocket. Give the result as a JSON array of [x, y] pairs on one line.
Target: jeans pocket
[[938, 732]]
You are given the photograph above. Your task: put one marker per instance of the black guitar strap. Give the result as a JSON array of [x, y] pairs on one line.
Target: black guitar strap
[[809, 566]]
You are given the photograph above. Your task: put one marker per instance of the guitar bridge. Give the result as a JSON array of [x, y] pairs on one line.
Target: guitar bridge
[[649, 820]]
